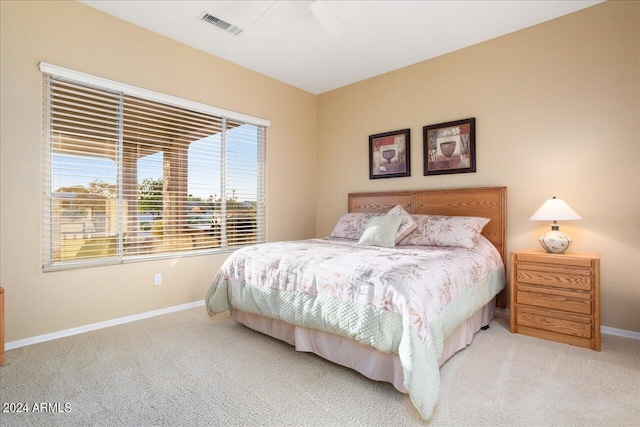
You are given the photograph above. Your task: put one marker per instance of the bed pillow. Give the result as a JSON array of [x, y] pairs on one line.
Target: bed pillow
[[352, 225], [381, 231], [452, 231], [406, 226]]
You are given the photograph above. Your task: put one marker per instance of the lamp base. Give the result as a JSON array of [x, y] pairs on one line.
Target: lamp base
[[555, 241]]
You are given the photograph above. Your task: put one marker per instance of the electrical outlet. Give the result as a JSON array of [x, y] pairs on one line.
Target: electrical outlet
[[158, 279]]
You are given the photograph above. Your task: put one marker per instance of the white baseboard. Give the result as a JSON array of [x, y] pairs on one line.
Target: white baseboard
[[505, 312], [100, 325], [502, 312], [620, 332]]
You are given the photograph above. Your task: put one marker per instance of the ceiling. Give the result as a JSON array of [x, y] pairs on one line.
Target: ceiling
[[285, 39]]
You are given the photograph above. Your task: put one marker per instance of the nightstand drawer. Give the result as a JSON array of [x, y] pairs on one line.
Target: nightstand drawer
[[556, 296], [553, 259], [574, 302], [575, 325], [538, 275]]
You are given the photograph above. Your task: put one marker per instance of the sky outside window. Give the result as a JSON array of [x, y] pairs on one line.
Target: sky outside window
[[204, 173]]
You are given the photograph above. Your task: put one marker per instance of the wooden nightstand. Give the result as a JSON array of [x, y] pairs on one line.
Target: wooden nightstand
[[556, 296]]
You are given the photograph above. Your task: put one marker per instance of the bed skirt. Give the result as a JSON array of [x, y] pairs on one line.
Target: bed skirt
[[366, 360]]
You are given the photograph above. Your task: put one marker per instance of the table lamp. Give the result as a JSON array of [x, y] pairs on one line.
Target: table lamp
[[555, 210]]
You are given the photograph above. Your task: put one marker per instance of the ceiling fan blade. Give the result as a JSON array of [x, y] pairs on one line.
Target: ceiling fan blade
[[327, 20]]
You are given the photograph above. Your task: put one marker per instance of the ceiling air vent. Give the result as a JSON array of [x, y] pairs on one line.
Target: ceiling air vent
[[223, 25]]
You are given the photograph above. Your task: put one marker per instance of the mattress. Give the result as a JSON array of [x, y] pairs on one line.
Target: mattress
[[404, 301]]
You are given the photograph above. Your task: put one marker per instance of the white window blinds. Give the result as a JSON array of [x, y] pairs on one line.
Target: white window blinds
[[131, 174]]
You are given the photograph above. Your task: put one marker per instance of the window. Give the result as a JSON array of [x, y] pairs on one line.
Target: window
[[132, 174]]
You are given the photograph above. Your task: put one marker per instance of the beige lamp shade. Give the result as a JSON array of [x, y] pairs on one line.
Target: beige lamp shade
[[555, 209]]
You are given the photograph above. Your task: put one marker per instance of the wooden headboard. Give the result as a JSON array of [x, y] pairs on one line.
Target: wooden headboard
[[486, 202]]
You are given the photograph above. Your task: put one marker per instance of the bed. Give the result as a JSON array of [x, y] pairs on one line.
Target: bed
[[394, 313]]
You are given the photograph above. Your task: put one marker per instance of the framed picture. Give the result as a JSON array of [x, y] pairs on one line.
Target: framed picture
[[389, 154], [450, 147]]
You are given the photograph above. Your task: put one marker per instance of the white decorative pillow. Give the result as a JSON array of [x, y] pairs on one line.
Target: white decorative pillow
[[352, 225], [407, 225], [381, 231], [453, 231]]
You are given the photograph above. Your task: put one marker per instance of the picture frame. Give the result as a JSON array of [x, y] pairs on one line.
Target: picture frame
[[389, 154], [450, 147]]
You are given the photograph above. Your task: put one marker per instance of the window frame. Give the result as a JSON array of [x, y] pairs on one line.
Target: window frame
[[71, 76]]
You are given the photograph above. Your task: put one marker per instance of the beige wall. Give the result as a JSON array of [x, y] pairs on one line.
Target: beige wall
[[76, 36], [557, 113], [557, 109]]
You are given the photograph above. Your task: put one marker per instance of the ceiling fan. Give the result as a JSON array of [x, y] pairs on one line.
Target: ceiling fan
[[326, 18], [239, 16]]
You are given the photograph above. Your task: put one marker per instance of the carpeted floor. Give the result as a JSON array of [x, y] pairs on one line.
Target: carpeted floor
[[185, 369]]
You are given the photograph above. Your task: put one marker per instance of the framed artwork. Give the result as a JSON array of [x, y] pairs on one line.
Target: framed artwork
[[450, 147], [389, 154]]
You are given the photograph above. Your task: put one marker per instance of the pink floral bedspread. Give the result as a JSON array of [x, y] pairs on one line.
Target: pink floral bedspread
[[417, 282]]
